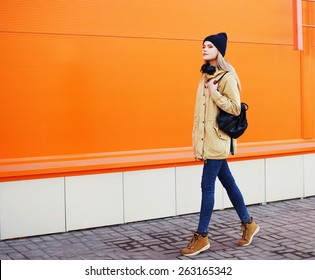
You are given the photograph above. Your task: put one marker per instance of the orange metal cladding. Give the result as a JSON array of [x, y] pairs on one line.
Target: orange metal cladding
[[307, 68], [297, 24], [312, 74], [81, 77]]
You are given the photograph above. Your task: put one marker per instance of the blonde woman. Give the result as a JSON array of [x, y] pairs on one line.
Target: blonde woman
[[212, 145]]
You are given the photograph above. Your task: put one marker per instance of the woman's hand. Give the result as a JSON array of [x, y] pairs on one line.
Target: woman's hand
[[212, 86]]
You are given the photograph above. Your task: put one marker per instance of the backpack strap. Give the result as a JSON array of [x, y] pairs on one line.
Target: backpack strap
[[231, 142], [215, 82]]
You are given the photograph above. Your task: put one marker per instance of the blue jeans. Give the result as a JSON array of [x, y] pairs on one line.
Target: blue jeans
[[220, 169]]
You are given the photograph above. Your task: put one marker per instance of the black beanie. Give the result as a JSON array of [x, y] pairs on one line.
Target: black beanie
[[219, 40]]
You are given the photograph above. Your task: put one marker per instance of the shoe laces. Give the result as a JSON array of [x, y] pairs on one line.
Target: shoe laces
[[244, 231], [193, 241]]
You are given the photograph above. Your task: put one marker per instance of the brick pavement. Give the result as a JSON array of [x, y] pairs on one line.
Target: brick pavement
[[287, 232]]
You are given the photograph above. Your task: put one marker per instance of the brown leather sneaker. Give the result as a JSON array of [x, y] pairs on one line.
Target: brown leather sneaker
[[248, 232], [197, 245]]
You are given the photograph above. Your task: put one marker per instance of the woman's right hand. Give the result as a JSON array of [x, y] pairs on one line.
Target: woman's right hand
[[212, 86]]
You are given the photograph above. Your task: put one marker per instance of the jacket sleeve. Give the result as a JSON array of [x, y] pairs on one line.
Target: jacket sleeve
[[227, 97]]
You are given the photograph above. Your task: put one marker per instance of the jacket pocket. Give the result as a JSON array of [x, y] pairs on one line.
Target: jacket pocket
[[221, 134], [216, 143]]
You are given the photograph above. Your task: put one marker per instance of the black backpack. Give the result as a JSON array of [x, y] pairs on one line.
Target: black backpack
[[234, 126]]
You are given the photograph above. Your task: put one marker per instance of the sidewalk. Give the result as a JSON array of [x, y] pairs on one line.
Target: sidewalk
[[287, 232]]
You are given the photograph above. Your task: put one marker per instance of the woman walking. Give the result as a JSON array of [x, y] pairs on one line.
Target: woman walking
[[212, 145]]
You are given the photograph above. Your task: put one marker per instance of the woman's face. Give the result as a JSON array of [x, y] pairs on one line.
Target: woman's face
[[209, 52]]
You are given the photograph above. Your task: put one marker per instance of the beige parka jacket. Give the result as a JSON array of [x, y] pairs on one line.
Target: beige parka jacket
[[209, 142]]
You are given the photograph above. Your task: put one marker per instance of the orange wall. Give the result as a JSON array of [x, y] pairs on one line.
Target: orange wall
[[81, 77], [311, 55]]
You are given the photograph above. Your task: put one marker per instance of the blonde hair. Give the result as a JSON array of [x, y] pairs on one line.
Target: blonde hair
[[224, 65]]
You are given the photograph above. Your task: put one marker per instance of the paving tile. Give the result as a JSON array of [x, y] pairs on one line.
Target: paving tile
[[287, 232]]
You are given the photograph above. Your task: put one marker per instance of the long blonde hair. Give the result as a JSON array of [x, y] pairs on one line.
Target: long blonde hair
[[224, 65]]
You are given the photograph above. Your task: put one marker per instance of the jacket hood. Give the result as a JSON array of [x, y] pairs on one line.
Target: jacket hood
[[217, 73]]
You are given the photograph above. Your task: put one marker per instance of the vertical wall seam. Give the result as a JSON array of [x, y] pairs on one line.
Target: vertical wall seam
[[175, 181], [123, 196], [265, 178], [303, 177]]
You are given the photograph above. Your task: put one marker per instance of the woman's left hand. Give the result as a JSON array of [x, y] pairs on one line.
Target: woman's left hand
[[212, 86]]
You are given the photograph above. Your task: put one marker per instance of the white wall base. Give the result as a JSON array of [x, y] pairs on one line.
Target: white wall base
[[32, 207], [309, 175], [284, 178], [94, 200], [43, 206], [149, 194]]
